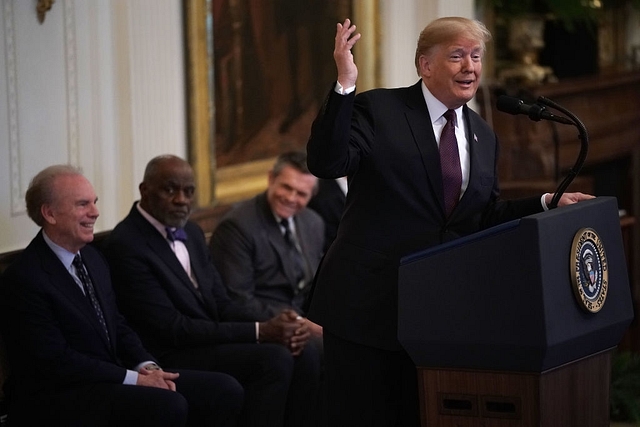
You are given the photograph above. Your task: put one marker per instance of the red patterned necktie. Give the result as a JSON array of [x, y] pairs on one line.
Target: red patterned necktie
[[450, 163]]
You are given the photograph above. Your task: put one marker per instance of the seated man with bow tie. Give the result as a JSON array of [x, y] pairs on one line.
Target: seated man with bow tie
[[74, 361], [171, 293]]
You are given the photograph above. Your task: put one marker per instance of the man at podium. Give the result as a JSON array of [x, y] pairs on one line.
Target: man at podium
[[422, 171]]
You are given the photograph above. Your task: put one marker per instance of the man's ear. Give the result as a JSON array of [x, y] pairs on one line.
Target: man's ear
[[48, 214], [143, 189], [425, 65]]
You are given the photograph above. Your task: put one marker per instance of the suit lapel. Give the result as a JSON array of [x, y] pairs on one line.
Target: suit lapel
[[62, 280], [276, 239], [477, 158], [159, 245], [420, 124]]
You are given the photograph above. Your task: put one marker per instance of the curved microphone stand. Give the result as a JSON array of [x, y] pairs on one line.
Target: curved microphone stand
[[582, 156]]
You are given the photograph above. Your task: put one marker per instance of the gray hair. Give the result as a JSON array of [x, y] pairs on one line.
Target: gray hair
[[295, 159], [40, 191]]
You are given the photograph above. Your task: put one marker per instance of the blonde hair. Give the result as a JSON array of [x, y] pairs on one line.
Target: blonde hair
[[446, 29]]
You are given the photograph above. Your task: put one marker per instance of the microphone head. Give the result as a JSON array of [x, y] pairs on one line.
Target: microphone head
[[509, 104]]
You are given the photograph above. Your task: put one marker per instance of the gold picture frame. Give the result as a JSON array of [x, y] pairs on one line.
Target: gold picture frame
[[238, 180]]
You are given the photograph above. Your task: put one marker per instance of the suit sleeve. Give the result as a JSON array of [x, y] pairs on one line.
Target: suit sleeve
[[159, 306], [341, 133]]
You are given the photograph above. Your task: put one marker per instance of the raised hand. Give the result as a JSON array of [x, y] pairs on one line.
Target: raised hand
[[345, 40]]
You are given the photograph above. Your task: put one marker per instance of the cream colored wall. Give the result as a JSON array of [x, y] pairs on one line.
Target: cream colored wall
[[99, 84]]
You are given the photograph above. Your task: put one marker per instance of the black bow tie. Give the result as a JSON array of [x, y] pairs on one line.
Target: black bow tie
[[174, 234]]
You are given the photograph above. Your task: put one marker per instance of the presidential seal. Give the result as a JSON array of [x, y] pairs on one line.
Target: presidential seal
[[589, 270]]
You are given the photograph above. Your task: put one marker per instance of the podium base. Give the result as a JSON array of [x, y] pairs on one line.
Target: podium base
[[572, 395]]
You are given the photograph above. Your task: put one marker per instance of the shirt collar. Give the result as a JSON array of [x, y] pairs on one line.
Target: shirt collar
[[292, 223], [63, 255], [156, 224], [343, 184], [437, 108]]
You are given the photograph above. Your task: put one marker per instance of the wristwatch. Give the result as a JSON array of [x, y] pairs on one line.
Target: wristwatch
[[152, 367]]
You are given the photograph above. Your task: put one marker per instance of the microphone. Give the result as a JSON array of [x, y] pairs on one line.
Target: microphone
[[536, 112]]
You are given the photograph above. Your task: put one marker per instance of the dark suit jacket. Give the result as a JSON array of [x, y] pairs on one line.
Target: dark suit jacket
[[252, 257], [53, 336], [383, 140], [329, 203], [157, 297]]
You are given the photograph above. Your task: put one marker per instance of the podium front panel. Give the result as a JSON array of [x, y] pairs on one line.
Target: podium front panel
[[502, 299]]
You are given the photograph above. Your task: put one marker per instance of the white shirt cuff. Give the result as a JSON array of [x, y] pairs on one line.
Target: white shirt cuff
[[544, 204], [342, 91], [131, 378]]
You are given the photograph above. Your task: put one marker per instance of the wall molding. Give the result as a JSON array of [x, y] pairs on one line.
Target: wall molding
[[17, 185], [17, 201], [71, 63]]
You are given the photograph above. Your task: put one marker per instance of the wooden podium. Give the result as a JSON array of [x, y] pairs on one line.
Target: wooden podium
[[498, 326]]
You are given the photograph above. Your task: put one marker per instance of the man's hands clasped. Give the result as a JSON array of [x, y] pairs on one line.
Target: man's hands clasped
[[288, 328], [157, 378]]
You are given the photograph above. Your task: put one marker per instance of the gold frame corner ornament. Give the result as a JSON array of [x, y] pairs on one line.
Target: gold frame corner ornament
[[589, 270], [42, 8]]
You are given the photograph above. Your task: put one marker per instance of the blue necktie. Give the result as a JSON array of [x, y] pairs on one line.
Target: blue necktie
[[174, 234]]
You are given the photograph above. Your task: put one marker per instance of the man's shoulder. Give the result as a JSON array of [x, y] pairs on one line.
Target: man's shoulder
[[33, 265], [388, 100], [244, 212], [125, 238], [194, 230], [392, 91], [310, 215], [383, 92], [27, 262], [126, 228]]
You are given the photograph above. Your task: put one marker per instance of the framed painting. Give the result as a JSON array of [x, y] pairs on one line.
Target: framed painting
[[257, 73]]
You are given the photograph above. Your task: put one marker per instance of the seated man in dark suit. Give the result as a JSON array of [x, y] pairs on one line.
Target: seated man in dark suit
[[171, 293], [74, 361], [268, 248]]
